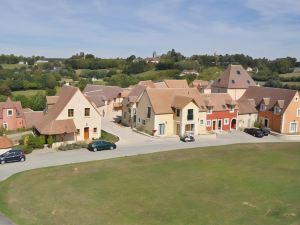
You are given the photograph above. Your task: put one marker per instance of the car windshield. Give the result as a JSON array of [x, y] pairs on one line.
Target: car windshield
[[5, 154]]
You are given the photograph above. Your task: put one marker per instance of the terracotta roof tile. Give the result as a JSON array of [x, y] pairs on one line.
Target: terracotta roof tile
[[176, 83], [5, 142]]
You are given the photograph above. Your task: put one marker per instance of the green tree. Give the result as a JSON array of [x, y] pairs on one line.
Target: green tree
[[5, 90]]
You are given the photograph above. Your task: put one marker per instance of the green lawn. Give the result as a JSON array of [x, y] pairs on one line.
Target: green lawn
[[297, 83], [250, 184], [157, 75], [109, 137], [27, 92], [296, 74], [13, 66]]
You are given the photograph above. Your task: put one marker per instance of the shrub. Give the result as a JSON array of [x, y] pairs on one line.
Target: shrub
[[50, 141], [33, 141], [73, 146], [25, 149], [257, 124]]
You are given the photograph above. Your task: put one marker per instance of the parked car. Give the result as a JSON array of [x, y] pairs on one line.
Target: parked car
[[187, 138], [101, 145], [14, 155], [254, 132], [266, 131]]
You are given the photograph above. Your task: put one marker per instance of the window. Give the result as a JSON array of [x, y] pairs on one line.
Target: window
[[209, 110], [226, 121], [190, 115], [95, 129], [298, 112], [238, 72], [248, 81], [87, 112], [233, 81], [178, 112], [143, 122], [219, 80], [148, 112], [9, 112], [78, 131], [231, 108], [277, 110], [296, 99], [201, 122], [293, 127], [208, 123], [262, 107], [70, 112]]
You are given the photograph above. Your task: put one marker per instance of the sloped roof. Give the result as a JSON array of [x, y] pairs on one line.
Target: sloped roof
[[134, 94], [5, 142], [180, 101], [273, 94], [176, 83], [147, 83], [161, 84], [9, 104], [51, 100], [219, 101], [104, 92], [246, 106], [202, 83], [162, 99], [48, 123], [32, 118], [236, 77]]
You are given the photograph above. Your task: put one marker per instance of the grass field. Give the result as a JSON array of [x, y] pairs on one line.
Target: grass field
[[250, 184], [157, 75], [292, 83], [13, 66], [109, 137], [297, 74], [27, 92]]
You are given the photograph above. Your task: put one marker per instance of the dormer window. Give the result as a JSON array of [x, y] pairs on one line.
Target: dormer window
[[238, 72], [233, 81], [231, 108], [219, 80], [209, 110], [248, 81], [277, 110], [263, 107]]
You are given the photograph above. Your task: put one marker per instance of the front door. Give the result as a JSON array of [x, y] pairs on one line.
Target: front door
[[86, 133], [266, 123], [161, 129], [293, 127], [214, 125], [219, 124]]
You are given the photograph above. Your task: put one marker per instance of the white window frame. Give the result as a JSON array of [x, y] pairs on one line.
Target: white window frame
[[262, 107], [209, 110], [226, 121], [208, 123], [296, 127], [10, 110], [231, 108], [298, 112], [277, 110], [201, 122]]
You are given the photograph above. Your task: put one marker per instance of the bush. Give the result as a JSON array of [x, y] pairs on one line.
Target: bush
[[25, 149], [73, 146], [33, 141], [50, 141], [257, 124]]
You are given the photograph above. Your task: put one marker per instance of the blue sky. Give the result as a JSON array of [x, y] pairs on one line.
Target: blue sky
[[119, 28]]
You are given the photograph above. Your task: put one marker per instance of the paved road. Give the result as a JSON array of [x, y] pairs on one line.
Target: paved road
[[130, 144]]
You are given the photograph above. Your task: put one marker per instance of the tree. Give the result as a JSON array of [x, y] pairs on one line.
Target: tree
[[4, 90]]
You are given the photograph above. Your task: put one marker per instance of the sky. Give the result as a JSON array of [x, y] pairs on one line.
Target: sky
[[120, 28]]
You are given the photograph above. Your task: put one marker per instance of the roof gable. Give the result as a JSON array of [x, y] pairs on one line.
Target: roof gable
[[235, 77]]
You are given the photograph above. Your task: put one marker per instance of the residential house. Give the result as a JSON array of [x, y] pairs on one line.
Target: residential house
[[278, 109], [189, 72], [235, 80], [222, 112], [69, 117], [129, 105], [11, 115], [203, 86], [171, 111], [248, 113], [108, 99]]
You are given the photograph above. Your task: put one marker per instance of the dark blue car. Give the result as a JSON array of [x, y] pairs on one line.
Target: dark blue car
[[12, 156], [101, 145]]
